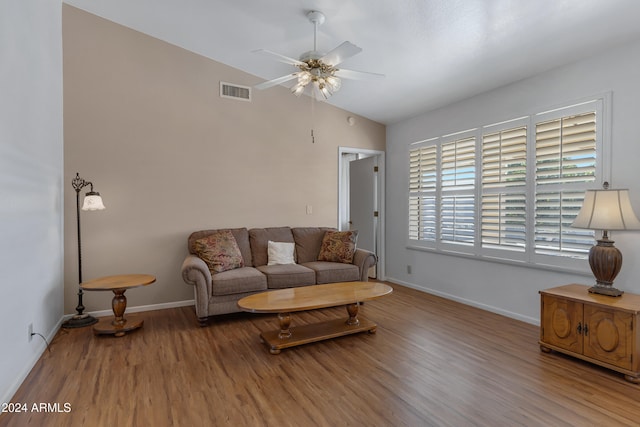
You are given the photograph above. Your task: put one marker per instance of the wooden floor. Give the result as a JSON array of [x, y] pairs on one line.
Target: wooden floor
[[432, 362]]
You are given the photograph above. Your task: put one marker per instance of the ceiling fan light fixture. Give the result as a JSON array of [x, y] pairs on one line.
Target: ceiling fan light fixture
[[298, 89], [304, 77], [334, 83], [324, 90]]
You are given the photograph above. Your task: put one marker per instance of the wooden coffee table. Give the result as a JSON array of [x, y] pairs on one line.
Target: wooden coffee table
[[286, 301], [118, 284]]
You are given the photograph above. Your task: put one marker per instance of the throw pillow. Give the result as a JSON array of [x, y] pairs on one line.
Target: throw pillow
[[219, 251], [338, 246], [280, 253]]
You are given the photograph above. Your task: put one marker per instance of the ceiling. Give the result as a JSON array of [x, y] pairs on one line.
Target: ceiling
[[432, 52]]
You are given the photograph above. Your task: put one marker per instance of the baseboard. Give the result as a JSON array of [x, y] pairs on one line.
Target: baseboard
[[140, 308], [465, 301], [26, 369]]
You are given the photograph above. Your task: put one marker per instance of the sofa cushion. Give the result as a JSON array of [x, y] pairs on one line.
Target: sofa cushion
[[259, 239], [338, 246], [287, 275], [308, 242], [245, 279], [240, 234], [331, 272], [280, 253], [219, 251]]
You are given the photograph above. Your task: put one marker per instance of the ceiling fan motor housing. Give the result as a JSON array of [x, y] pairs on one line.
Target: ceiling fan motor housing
[[311, 55]]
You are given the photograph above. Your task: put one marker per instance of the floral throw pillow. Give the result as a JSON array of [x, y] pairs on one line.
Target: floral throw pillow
[[220, 251], [338, 246]]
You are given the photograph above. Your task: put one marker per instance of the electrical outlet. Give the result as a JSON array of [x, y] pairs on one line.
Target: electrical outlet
[[408, 269], [30, 331]]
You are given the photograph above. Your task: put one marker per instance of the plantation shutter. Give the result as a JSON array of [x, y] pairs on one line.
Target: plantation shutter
[[510, 191], [565, 167], [457, 175], [504, 193], [423, 166]]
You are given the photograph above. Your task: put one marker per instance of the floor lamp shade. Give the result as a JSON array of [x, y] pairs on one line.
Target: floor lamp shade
[[606, 210], [93, 202]]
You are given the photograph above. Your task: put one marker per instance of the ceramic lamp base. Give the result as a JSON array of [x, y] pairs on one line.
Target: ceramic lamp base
[[605, 261]]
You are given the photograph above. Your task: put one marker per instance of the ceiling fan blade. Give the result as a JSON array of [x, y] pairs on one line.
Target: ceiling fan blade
[[275, 82], [340, 53], [279, 57], [358, 75]]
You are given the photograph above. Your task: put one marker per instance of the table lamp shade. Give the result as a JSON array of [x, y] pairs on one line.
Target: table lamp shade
[[607, 210]]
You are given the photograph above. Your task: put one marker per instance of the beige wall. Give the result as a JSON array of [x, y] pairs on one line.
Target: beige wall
[[144, 122]]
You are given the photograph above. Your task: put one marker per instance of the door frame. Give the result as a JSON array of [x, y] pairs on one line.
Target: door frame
[[380, 238]]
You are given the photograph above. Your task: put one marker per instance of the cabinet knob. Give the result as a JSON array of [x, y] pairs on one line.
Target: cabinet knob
[[586, 330], [579, 328]]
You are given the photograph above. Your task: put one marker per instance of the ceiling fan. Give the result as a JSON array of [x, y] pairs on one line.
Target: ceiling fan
[[316, 68]]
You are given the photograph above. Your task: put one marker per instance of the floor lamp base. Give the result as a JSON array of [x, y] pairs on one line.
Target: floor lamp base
[[80, 321]]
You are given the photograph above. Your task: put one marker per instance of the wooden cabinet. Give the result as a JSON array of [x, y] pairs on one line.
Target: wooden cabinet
[[596, 328]]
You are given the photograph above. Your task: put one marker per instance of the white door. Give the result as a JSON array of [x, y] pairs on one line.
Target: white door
[[363, 201]]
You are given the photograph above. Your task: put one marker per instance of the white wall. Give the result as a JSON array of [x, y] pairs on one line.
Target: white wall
[[507, 289], [31, 257]]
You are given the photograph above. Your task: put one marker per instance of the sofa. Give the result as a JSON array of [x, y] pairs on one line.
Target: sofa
[[225, 265]]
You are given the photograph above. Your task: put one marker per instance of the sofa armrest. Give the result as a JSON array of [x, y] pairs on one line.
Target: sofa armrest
[[196, 272], [364, 260]]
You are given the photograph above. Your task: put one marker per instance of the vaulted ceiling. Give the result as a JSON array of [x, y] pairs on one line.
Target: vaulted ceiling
[[432, 52]]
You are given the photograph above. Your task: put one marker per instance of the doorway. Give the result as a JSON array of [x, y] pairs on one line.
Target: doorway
[[361, 199]]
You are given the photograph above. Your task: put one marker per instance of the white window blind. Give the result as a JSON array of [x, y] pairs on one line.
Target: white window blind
[[566, 157], [457, 177], [504, 192], [511, 190], [423, 166]]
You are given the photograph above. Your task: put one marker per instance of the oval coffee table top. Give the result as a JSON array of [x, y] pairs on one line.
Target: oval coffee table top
[[122, 281], [314, 296]]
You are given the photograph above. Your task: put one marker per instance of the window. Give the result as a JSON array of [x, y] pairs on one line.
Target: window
[[422, 193], [504, 191], [457, 202], [509, 190], [565, 167]]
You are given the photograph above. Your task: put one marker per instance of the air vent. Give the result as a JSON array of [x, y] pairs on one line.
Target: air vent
[[229, 90]]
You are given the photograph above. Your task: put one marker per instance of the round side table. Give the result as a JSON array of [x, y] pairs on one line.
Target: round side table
[[118, 284]]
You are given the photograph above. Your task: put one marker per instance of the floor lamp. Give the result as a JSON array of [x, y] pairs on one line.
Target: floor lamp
[[606, 210], [92, 202]]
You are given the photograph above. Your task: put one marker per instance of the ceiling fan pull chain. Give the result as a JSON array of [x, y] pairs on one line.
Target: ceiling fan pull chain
[[313, 116]]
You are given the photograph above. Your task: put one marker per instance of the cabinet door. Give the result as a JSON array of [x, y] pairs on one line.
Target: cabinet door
[[562, 323], [608, 336]]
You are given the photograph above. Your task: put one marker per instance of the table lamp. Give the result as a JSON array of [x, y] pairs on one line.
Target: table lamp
[[606, 210], [92, 202]]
